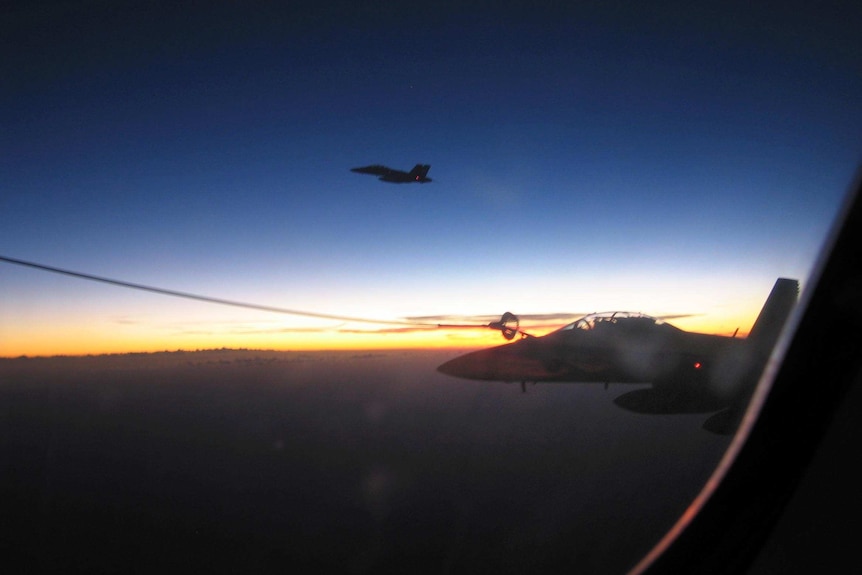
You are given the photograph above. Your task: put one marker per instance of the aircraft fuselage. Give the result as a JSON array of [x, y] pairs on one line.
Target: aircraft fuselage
[[630, 350], [419, 174]]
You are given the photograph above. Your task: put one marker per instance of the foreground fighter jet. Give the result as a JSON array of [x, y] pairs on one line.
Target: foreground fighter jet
[[419, 173], [689, 372]]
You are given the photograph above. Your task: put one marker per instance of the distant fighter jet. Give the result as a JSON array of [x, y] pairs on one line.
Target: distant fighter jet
[[417, 174], [689, 372]]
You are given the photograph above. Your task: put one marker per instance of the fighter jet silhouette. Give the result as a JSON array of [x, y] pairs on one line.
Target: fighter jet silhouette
[[689, 372], [417, 174]]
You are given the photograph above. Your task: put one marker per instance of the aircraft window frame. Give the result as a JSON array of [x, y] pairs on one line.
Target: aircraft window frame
[[726, 527]]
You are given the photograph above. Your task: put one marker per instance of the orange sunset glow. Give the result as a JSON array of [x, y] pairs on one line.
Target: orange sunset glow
[[75, 335]]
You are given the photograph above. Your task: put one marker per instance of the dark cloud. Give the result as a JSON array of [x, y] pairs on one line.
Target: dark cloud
[[393, 330], [560, 317]]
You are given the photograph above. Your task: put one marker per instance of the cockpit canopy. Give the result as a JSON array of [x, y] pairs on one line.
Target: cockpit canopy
[[617, 318]]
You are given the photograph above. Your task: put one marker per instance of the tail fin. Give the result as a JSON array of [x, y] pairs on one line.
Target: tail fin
[[781, 301], [420, 171], [735, 374]]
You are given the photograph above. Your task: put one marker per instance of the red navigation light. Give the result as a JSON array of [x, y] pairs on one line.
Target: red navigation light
[[697, 365]]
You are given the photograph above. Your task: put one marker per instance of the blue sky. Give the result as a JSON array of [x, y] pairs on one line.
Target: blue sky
[[674, 161]]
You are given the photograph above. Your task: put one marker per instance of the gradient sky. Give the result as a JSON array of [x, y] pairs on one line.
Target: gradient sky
[[672, 161]]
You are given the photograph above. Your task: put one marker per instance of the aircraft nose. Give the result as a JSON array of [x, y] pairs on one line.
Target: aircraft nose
[[475, 365], [510, 362], [464, 366]]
